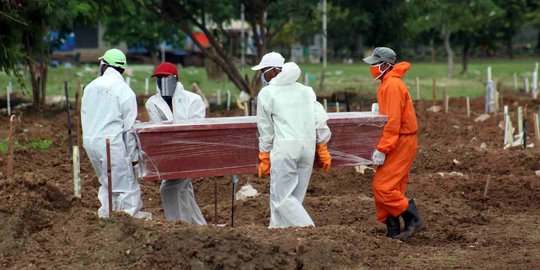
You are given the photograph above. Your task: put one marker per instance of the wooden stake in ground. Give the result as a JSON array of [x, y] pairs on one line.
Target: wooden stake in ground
[[8, 97], [536, 128], [417, 88], [468, 101], [486, 189], [9, 169], [109, 175], [434, 91], [76, 173], [445, 95], [68, 109], [78, 117]]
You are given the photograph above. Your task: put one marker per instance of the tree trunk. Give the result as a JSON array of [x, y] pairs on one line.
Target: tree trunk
[[465, 58], [449, 53], [31, 68], [510, 46]]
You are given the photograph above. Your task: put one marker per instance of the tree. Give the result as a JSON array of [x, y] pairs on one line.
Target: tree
[[127, 22], [33, 23], [450, 17], [266, 18]]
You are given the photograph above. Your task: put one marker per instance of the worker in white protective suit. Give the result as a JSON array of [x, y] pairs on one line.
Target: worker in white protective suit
[[172, 102], [108, 111], [292, 133]]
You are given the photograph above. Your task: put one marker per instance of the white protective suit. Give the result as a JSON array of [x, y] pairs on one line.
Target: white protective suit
[[108, 110], [177, 195], [290, 122]]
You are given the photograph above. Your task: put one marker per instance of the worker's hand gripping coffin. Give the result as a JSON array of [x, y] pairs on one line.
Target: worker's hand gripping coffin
[[229, 145]]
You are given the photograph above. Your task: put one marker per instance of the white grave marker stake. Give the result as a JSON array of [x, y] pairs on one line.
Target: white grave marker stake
[[228, 100], [520, 120], [527, 85], [146, 87], [76, 173], [337, 106], [218, 97]]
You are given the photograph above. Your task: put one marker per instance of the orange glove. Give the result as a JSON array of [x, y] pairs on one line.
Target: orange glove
[[324, 160], [264, 166]]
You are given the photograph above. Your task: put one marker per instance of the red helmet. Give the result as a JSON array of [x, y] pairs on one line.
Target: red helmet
[[166, 68]]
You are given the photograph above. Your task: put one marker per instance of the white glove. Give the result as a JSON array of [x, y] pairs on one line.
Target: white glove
[[378, 158]]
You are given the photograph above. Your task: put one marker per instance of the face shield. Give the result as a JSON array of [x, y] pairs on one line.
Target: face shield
[[167, 85]]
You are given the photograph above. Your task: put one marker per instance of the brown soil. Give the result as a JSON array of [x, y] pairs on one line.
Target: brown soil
[[43, 226]]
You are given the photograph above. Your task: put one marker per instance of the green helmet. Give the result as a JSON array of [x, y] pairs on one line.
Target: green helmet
[[114, 58]]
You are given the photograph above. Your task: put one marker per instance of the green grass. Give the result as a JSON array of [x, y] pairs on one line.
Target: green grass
[[339, 77], [39, 145]]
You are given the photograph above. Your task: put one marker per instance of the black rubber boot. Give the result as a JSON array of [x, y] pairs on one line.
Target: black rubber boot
[[413, 222], [393, 227]]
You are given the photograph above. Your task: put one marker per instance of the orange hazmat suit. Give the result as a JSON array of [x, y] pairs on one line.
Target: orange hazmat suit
[[399, 142]]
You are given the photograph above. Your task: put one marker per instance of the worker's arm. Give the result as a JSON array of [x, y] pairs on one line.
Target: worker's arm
[[197, 109], [391, 103], [128, 103], [321, 127], [153, 110], [265, 125]]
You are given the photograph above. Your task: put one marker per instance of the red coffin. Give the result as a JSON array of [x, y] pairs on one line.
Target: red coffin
[[229, 145]]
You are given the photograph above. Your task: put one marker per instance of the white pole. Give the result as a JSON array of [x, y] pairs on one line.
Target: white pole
[[520, 120], [337, 106], [325, 104], [9, 98], [505, 142], [218, 97], [527, 85], [489, 73], [515, 82], [535, 83], [468, 107], [76, 172], [242, 38], [146, 87], [324, 32], [228, 100], [417, 88]]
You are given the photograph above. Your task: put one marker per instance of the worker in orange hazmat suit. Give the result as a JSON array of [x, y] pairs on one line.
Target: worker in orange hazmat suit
[[397, 147]]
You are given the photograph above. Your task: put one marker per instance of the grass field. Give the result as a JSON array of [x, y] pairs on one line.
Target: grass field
[[339, 77]]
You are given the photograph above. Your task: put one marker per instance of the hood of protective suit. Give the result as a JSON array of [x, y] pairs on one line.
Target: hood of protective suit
[[289, 74], [398, 70]]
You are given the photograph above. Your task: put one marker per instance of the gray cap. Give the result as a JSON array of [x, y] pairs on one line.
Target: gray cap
[[381, 54]]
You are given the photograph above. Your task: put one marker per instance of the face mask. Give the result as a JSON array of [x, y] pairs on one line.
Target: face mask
[[263, 79], [376, 71], [167, 85], [101, 64]]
